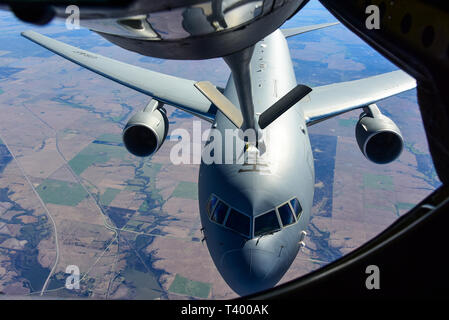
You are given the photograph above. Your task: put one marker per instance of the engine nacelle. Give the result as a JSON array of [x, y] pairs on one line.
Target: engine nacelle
[[379, 138], [146, 131]]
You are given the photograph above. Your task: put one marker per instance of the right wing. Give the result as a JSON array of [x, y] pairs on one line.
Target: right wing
[[174, 91], [331, 100]]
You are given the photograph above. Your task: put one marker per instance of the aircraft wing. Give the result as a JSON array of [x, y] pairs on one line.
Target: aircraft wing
[[300, 30], [331, 100], [174, 91]]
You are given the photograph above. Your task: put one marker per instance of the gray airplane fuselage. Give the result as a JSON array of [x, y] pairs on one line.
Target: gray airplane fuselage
[[253, 263]]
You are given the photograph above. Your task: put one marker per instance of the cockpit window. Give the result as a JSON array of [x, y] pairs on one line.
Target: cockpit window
[[297, 209], [266, 223], [219, 213], [238, 222], [211, 204], [286, 214]]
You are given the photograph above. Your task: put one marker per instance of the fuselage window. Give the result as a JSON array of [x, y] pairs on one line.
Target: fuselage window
[[238, 222], [286, 215], [266, 223], [297, 209], [211, 204], [219, 213]]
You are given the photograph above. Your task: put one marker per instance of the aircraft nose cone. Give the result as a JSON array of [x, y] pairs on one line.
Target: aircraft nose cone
[[252, 270], [261, 263]]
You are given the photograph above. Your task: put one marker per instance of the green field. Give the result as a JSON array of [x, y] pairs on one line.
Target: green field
[[188, 287], [154, 199], [186, 190], [61, 192], [134, 225], [378, 181], [95, 153], [109, 195], [347, 122], [145, 285], [151, 169], [144, 207], [138, 226], [147, 186], [110, 137]]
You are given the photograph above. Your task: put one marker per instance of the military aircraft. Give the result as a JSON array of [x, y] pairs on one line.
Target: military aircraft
[[254, 211]]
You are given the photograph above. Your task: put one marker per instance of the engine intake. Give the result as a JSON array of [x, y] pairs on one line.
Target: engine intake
[[378, 137], [146, 131]]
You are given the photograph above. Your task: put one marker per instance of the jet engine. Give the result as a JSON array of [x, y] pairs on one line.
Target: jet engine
[[146, 131], [379, 138]]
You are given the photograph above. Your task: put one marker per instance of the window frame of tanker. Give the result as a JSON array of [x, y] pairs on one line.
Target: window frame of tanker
[[252, 220]]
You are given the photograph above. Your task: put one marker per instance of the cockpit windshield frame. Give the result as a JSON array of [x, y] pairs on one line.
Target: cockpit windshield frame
[[252, 219], [276, 210], [230, 208], [278, 228]]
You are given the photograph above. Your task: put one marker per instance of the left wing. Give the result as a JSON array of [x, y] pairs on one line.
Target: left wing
[[300, 30], [174, 91], [331, 100]]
